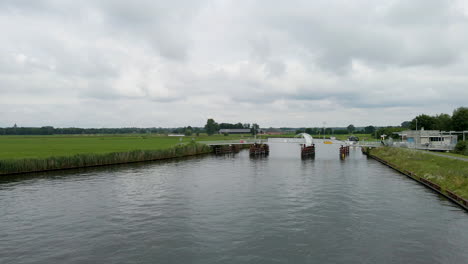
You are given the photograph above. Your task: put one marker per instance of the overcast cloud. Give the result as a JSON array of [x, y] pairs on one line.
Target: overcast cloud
[[151, 63]]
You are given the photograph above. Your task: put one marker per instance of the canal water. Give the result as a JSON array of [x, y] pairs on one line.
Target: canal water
[[230, 209]]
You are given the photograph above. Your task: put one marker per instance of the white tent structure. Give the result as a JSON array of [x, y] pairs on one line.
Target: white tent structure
[[309, 140]]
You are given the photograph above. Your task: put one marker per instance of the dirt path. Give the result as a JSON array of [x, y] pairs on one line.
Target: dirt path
[[446, 156]]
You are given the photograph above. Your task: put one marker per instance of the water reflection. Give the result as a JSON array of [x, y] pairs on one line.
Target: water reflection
[[230, 209]]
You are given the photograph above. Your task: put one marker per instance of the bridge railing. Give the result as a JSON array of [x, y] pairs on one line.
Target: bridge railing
[[287, 140], [234, 142], [391, 143], [429, 146], [369, 143]]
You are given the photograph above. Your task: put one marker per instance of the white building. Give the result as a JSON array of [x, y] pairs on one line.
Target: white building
[[235, 131], [428, 139]]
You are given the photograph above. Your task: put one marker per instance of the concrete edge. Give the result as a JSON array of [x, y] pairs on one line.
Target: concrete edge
[[424, 182]]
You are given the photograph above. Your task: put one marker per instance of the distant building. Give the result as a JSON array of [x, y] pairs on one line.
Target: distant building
[[235, 131], [274, 133], [176, 135], [430, 139]]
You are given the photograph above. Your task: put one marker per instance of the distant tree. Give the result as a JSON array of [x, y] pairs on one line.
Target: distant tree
[[351, 128], [233, 126], [460, 119], [443, 122], [300, 130], [462, 148], [328, 130], [255, 128], [340, 131], [211, 127], [225, 126], [406, 124], [188, 131], [369, 129], [426, 121], [47, 130], [309, 131]]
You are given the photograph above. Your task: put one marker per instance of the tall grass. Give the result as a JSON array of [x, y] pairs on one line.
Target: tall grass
[[11, 166], [41, 147], [450, 174]]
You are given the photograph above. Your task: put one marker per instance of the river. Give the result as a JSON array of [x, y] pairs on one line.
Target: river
[[230, 209]]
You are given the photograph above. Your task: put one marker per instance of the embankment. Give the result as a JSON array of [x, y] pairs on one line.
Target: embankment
[[15, 166], [448, 177]]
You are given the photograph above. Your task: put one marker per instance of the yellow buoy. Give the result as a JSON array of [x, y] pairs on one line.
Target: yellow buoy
[[327, 142]]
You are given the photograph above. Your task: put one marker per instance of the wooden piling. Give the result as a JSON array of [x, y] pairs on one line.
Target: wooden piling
[[225, 149], [308, 151], [259, 149], [344, 151]]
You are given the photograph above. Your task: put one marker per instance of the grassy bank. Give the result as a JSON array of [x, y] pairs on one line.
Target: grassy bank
[[449, 174], [40, 153], [21, 147], [22, 165]]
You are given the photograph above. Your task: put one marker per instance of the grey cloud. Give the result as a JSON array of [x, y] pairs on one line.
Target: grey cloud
[[236, 60], [261, 52], [422, 13], [163, 24], [374, 33]]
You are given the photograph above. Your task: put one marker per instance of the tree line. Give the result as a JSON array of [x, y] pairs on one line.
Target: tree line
[[49, 130], [339, 131], [458, 121], [212, 127]]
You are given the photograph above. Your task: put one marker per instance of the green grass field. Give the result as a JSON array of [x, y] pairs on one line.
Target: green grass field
[[450, 174], [19, 154], [19, 147]]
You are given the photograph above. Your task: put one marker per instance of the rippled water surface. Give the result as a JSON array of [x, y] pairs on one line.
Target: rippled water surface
[[230, 209]]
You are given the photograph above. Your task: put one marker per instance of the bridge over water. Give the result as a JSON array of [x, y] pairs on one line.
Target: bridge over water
[[302, 138], [253, 141]]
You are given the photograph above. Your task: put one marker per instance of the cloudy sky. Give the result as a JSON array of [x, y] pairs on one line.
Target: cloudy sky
[[151, 63]]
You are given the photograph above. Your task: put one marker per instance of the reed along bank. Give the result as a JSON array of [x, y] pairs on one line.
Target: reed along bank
[[15, 166]]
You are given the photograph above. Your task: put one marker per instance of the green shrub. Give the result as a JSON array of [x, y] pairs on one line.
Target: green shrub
[[461, 148]]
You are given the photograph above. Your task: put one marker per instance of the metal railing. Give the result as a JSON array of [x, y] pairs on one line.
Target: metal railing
[[287, 140], [391, 143], [369, 143], [428, 146], [234, 142]]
